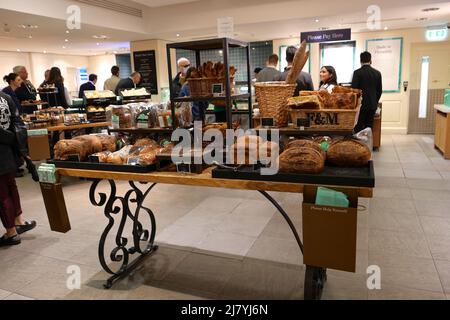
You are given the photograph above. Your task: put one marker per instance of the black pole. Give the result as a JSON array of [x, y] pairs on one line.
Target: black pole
[[228, 103]]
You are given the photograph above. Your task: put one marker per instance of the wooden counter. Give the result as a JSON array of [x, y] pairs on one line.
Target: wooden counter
[[442, 132]]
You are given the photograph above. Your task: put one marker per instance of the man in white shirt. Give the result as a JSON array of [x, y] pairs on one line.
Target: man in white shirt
[[111, 83]]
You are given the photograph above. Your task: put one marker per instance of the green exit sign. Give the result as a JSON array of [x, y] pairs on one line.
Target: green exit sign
[[437, 34]]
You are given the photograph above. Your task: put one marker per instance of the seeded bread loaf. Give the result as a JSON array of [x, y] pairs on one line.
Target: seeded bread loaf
[[65, 148], [301, 160], [349, 153], [306, 143]]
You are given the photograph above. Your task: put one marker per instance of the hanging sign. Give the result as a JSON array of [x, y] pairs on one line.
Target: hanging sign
[[326, 36]]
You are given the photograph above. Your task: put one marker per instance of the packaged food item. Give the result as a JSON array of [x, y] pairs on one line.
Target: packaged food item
[[92, 144], [120, 117], [165, 119], [301, 160], [134, 92], [65, 149], [119, 157], [349, 153], [184, 115]]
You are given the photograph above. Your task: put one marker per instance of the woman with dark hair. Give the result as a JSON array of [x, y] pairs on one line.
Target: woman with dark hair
[[10, 208], [57, 79], [328, 78], [14, 82]]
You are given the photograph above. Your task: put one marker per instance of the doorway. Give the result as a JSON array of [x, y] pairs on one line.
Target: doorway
[[430, 76]]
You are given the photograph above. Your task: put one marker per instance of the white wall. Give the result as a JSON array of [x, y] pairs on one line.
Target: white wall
[[101, 66], [395, 105]]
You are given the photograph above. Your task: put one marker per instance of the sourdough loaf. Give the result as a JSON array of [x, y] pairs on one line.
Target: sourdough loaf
[[301, 160], [349, 153], [306, 143], [65, 148]]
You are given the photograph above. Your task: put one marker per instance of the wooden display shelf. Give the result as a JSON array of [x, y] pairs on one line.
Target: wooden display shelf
[[143, 131], [292, 131], [442, 133], [78, 126], [201, 180]]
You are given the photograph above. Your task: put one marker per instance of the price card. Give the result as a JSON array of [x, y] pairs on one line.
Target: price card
[[267, 122], [133, 161], [73, 157]]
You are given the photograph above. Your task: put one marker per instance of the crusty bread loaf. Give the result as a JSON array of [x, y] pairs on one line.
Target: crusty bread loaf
[[349, 153], [345, 100], [341, 89], [92, 144], [306, 102], [108, 142], [300, 143], [301, 160], [64, 148]]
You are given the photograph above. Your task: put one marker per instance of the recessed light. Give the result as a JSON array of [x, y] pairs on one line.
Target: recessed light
[[64, 47], [430, 9], [317, 20], [30, 37], [45, 52], [178, 35], [66, 40], [100, 36], [18, 50], [386, 28], [98, 43]]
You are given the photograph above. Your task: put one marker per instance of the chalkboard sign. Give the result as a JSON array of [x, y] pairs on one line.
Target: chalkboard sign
[[145, 64]]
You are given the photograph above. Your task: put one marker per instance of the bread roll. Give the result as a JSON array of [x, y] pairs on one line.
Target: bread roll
[[306, 143], [301, 160], [64, 148], [349, 153]]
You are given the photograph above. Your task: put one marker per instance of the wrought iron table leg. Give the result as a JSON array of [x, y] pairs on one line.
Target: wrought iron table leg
[[115, 205]]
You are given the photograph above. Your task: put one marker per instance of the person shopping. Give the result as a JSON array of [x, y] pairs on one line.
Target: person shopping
[[57, 80], [14, 82], [10, 208], [198, 107], [328, 78]]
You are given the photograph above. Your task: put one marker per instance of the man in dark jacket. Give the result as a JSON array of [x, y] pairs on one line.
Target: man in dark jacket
[[88, 86], [10, 208], [370, 81], [304, 80], [27, 92], [129, 83]]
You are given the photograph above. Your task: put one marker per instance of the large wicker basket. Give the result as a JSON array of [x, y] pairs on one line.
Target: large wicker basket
[[272, 99], [325, 119], [203, 87]]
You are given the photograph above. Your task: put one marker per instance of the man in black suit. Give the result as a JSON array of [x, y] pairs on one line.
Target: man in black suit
[[88, 86], [369, 80], [129, 83]]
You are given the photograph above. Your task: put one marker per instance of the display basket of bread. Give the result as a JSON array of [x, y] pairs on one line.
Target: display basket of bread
[[272, 96], [322, 110], [202, 79]]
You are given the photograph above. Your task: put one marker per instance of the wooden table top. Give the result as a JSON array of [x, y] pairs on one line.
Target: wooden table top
[[201, 180], [78, 126]]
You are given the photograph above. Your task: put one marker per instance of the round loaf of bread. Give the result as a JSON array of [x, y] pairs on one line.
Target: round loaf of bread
[[349, 153], [301, 160], [306, 143]]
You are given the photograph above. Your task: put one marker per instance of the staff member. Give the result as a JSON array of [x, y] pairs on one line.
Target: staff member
[[88, 86], [370, 81], [129, 83], [57, 79], [328, 78], [26, 92], [46, 77]]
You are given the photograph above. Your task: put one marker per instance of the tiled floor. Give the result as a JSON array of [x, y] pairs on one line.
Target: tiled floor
[[227, 244]]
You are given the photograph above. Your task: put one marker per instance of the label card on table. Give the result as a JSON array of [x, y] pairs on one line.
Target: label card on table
[[267, 122]]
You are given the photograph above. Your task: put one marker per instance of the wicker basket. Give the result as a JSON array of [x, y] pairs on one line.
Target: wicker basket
[[203, 87], [272, 99], [325, 119]]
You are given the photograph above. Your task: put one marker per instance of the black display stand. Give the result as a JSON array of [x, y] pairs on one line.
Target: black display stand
[[223, 44]]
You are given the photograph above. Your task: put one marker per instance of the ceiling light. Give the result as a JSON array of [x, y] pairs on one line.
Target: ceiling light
[[30, 37], [18, 50], [178, 35], [67, 31], [28, 26], [66, 40], [64, 47], [317, 20], [324, 28], [45, 52], [430, 9], [115, 52], [100, 36], [98, 43], [385, 28]]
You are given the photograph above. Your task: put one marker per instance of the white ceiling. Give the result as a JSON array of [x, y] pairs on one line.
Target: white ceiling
[[161, 3], [255, 20]]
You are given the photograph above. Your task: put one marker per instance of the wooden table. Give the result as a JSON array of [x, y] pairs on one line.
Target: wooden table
[[442, 133], [116, 206], [62, 128]]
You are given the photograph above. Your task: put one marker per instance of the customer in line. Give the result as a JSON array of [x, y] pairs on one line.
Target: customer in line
[[328, 78], [304, 80], [255, 74], [180, 79], [10, 207], [129, 83], [57, 80], [198, 107], [370, 81], [46, 77], [88, 86], [111, 83], [14, 82], [26, 92], [271, 72]]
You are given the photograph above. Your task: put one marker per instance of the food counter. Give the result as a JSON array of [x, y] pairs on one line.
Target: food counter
[[442, 133]]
